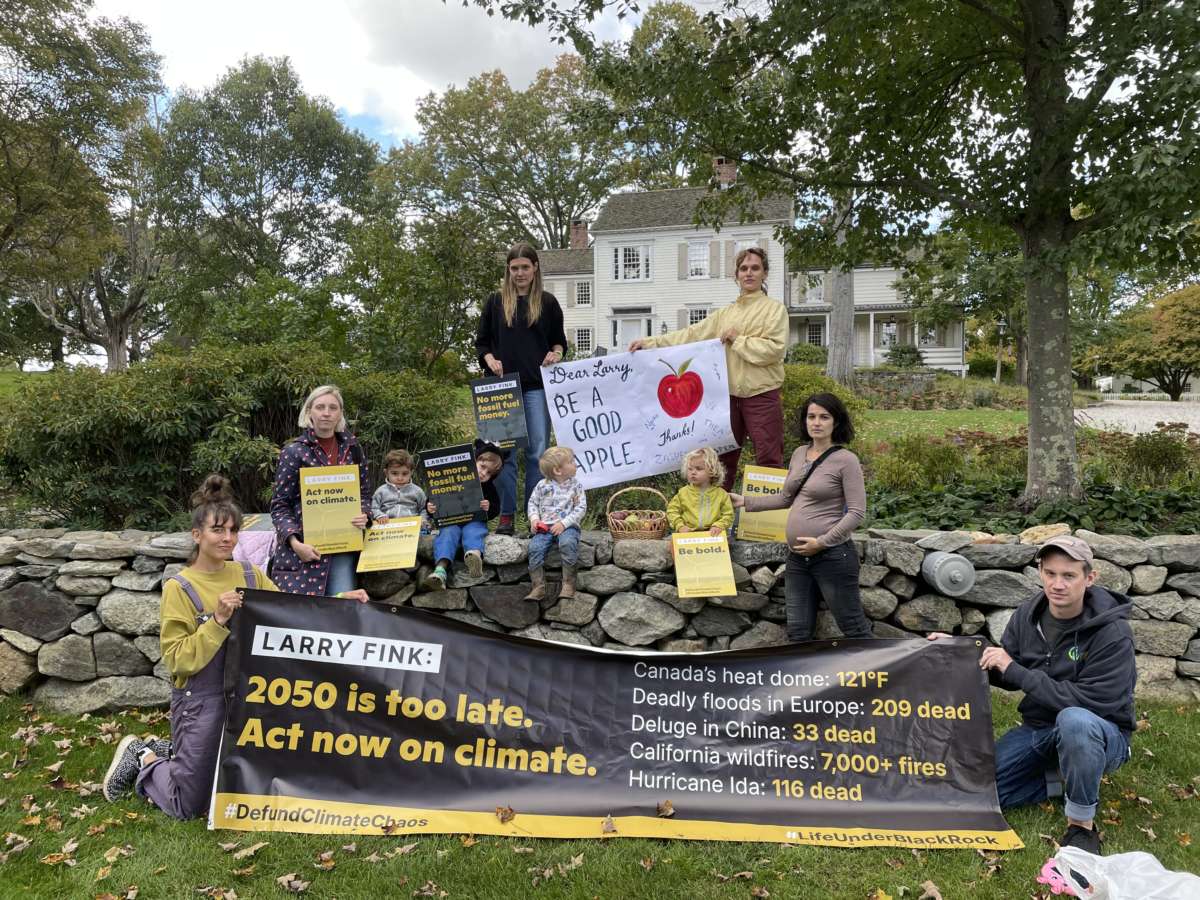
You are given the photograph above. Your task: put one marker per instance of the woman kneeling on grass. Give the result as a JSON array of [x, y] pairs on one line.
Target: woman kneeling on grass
[[197, 604]]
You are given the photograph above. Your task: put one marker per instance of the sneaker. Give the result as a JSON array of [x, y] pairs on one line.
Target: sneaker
[[159, 747], [506, 526], [123, 770], [435, 580], [474, 561], [1084, 838]]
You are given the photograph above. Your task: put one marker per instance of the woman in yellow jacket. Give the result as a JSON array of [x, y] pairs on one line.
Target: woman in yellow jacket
[[754, 329], [701, 504]]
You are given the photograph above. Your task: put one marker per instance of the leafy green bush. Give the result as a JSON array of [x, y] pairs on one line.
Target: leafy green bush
[[798, 384], [1159, 458], [982, 364], [905, 356], [807, 354], [127, 448], [914, 461]]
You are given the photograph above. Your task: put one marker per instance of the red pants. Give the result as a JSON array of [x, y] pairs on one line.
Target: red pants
[[760, 417]]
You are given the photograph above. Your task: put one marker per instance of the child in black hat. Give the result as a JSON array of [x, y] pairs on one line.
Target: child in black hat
[[469, 535]]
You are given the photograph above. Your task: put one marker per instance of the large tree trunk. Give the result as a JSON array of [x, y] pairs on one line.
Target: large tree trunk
[[116, 349], [840, 363]]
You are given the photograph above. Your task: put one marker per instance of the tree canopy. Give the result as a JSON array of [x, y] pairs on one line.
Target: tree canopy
[[1158, 342]]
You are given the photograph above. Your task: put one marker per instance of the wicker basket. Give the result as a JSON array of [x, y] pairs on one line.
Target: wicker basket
[[651, 524]]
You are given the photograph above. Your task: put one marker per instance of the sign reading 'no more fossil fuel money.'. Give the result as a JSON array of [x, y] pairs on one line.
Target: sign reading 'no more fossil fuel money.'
[[351, 718]]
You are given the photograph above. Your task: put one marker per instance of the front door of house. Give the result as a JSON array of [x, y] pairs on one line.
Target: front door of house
[[629, 329]]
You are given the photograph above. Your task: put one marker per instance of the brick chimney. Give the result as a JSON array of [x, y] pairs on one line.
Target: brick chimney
[[579, 234], [724, 170]]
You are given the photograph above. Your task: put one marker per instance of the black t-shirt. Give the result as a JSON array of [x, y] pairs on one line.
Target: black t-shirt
[[1053, 629], [520, 347]]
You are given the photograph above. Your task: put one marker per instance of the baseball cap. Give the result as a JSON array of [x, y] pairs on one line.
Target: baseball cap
[[1076, 548]]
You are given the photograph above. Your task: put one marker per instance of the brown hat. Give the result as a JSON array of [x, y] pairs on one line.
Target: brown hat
[[1076, 548]]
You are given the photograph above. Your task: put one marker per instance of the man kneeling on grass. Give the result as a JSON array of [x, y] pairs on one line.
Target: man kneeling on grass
[[1071, 651]]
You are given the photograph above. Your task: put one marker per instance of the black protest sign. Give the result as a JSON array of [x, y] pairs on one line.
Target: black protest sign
[[351, 718], [500, 411], [451, 483]]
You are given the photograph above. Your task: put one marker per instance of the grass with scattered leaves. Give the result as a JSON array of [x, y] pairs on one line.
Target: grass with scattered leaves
[[62, 840], [881, 425]]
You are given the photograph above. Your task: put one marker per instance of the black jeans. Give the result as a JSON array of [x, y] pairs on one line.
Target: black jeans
[[831, 574]]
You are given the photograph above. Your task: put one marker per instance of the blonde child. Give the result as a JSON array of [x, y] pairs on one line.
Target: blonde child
[[556, 510], [398, 497], [701, 504]]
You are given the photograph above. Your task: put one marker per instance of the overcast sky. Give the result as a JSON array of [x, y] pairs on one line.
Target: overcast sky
[[371, 58]]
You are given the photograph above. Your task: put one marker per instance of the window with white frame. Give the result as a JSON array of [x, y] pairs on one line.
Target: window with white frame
[[583, 293], [814, 288], [697, 315], [932, 336], [697, 259], [583, 340], [889, 334], [631, 262], [816, 333]]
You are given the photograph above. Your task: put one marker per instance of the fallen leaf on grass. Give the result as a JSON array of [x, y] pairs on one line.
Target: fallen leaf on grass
[[230, 846], [505, 814], [32, 821], [879, 894], [247, 852], [159, 870], [373, 858], [53, 823], [325, 861], [429, 889], [666, 809], [758, 891], [468, 840], [1184, 838], [82, 810], [1148, 832], [390, 828], [931, 891], [894, 863], [290, 882], [608, 826], [218, 893], [646, 863], [103, 872], [112, 854], [350, 848], [522, 849], [442, 853], [246, 872], [54, 767]]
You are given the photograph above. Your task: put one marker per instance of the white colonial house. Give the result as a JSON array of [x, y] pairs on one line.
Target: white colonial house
[[646, 269]]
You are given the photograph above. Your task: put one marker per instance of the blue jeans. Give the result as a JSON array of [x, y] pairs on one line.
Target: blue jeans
[[341, 573], [1080, 744], [831, 574], [469, 536], [568, 547], [537, 424]]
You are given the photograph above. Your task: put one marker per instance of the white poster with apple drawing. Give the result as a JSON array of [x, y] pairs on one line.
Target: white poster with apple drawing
[[628, 415]]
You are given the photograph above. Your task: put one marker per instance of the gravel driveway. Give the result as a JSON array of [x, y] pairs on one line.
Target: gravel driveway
[[1138, 415]]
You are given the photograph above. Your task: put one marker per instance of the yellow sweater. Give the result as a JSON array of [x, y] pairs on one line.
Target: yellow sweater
[[695, 509], [755, 358], [186, 647]]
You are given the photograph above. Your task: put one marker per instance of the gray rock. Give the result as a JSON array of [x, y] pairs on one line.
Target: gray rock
[[461, 578], [997, 621], [638, 620], [47, 547], [605, 580], [92, 568], [1157, 681], [1136, 612], [577, 610], [102, 550], [712, 621], [512, 572], [751, 553], [17, 669], [540, 632], [9, 550], [719, 643], [905, 557], [37, 572], [1147, 579], [171, 569], [87, 602], [31, 609], [761, 634], [377, 584], [1188, 669], [668, 593], [1186, 583], [102, 694], [999, 587], [504, 550], [161, 671], [1111, 576], [900, 585], [86, 587], [473, 618], [747, 602], [22, 642], [117, 655], [150, 647], [869, 576], [506, 604], [741, 578], [683, 645], [25, 534], [643, 556], [450, 598], [826, 628], [130, 612], [877, 603], [1161, 638], [1190, 614], [1163, 606], [908, 535], [87, 624], [999, 556], [946, 541], [69, 657], [399, 598], [145, 564], [601, 542], [773, 612], [973, 621], [869, 552], [763, 579], [887, 631], [594, 633], [929, 612], [136, 581], [1032, 573], [1122, 549], [168, 546], [1192, 653], [1178, 552], [8, 577]]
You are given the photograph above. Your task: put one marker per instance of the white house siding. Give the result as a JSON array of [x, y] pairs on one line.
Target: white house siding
[[666, 297], [575, 317]]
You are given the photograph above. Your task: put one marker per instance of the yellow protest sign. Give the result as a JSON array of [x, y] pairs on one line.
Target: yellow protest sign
[[702, 565], [330, 498], [767, 526], [392, 545]]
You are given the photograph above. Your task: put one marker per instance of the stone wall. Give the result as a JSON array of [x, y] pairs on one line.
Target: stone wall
[[79, 611]]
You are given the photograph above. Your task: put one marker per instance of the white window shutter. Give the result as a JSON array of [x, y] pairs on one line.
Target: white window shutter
[[683, 261], [714, 259], [569, 288]]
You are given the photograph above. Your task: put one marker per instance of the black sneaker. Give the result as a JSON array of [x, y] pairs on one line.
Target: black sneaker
[[123, 770], [159, 747], [1087, 839]]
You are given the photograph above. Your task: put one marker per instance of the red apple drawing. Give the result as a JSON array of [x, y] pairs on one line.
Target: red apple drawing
[[680, 393]]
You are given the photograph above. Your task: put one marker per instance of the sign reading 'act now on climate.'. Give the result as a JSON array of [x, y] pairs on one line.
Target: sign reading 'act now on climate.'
[[629, 415]]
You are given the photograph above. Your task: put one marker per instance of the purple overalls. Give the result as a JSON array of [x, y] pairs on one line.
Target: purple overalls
[[182, 786]]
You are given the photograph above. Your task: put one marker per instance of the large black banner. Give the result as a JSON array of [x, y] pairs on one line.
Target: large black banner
[[370, 719]]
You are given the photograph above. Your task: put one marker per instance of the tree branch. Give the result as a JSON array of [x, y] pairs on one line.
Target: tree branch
[[1007, 25]]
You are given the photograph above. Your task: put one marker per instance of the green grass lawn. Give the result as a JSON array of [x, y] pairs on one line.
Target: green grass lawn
[[889, 424], [50, 762], [10, 380]]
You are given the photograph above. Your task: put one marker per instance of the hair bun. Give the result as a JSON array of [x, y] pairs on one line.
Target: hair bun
[[215, 489]]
